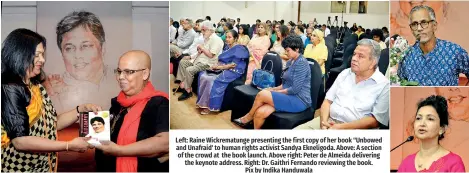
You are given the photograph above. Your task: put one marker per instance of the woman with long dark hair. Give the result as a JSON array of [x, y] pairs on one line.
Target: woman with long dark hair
[[29, 121]]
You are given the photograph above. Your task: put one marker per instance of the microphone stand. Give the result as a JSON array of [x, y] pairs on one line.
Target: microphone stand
[[410, 138]]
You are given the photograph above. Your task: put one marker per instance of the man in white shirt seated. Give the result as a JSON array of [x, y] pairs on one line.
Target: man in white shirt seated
[[186, 37], [206, 57], [326, 30], [359, 97], [176, 54]]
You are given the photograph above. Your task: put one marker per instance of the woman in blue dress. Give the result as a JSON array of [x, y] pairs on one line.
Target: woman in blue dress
[[294, 95], [212, 83]]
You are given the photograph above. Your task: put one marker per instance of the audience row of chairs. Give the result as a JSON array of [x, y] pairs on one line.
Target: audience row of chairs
[[239, 97]]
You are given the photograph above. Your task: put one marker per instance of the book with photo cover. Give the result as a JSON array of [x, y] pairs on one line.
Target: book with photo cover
[[95, 126]]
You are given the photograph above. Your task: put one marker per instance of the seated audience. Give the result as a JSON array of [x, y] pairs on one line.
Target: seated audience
[[432, 61], [172, 31], [186, 37], [359, 97], [220, 31], [140, 125], [282, 33], [378, 37], [258, 47], [274, 32], [294, 95], [176, 53], [243, 35], [326, 30], [429, 126], [228, 26], [359, 31], [207, 56], [318, 49], [309, 33], [212, 86], [385, 32], [300, 31]]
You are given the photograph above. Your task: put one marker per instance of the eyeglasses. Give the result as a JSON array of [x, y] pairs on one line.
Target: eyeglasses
[[424, 24], [126, 72]]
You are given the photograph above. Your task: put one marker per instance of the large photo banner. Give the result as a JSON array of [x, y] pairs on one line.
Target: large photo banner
[[85, 41]]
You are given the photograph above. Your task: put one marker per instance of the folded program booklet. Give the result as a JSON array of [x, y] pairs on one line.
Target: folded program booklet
[[95, 126]]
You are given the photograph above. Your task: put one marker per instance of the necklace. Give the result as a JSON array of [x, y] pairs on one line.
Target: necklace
[[420, 165]]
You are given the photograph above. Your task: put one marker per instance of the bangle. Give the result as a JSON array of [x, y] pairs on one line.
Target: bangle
[[77, 109], [67, 147]]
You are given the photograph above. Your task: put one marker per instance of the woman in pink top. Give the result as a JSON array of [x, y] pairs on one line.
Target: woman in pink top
[[429, 127]]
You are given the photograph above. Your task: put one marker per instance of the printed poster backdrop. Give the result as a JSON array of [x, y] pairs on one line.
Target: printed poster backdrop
[[451, 17], [404, 107], [84, 67]]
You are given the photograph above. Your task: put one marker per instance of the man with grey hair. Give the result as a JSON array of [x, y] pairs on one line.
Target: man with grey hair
[[207, 57], [359, 97], [81, 41], [432, 61], [186, 37], [176, 54]]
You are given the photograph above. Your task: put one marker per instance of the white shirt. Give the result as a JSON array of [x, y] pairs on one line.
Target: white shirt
[[172, 33], [352, 101], [327, 32], [192, 50]]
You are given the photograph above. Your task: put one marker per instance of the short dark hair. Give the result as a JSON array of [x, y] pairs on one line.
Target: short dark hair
[[301, 28], [208, 18], [238, 19], [379, 33], [293, 42], [99, 119], [324, 25], [18, 52], [245, 29], [223, 19], [80, 19], [199, 20], [385, 29], [440, 104], [258, 20]]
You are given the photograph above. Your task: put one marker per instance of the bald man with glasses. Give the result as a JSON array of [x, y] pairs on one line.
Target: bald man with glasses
[[432, 61]]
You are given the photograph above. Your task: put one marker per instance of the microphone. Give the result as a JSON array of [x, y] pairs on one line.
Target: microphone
[[410, 138]]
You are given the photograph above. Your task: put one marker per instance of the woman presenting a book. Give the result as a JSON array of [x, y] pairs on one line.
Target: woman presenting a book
[[29, 121]]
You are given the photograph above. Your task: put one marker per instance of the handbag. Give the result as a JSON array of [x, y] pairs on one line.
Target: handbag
[[262, 78]]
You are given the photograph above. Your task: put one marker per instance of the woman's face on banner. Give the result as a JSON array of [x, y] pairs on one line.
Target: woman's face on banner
[[458, 102], [82, 53], [98, 126]]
